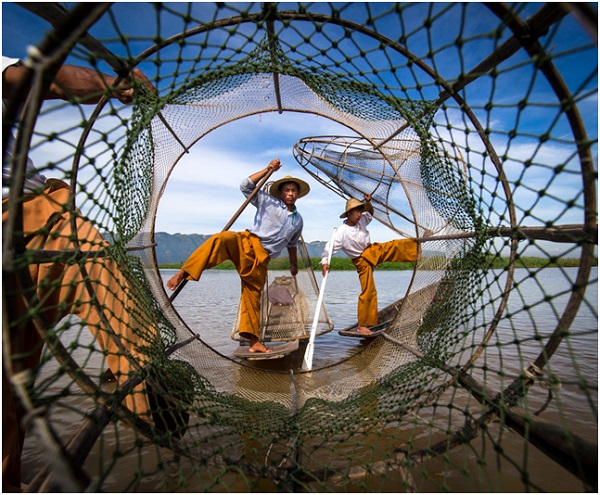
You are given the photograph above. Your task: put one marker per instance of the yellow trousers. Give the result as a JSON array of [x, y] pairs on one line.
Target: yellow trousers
[[376, 253], [61, 290], [250, 259]]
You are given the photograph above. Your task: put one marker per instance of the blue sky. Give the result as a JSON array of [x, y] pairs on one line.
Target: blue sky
[[202, 199]]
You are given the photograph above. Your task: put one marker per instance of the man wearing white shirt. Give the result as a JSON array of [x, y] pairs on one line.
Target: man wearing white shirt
[[353, 238]]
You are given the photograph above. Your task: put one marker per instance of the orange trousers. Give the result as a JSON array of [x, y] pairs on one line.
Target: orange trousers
[[61, 290], [250, 259], [373, 255]]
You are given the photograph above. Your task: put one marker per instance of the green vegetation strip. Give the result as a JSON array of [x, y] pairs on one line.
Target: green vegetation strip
[[491, 262]]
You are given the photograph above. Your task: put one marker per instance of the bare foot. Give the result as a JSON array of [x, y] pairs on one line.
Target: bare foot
[[363, 330], [176, 279], [259, 347]]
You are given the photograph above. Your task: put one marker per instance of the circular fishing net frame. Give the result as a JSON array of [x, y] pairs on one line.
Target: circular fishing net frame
[[478, 174]]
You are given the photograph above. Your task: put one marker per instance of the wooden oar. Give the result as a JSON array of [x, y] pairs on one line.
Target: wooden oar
[[310, 348], [258, 187]]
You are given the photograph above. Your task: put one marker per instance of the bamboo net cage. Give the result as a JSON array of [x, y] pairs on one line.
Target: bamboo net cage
[[473, 134]]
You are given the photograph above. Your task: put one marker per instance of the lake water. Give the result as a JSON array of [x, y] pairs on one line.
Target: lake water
[[209, 308]]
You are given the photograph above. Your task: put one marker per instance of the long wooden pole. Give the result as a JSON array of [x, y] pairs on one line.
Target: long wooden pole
[[250, 197], [310, 348]]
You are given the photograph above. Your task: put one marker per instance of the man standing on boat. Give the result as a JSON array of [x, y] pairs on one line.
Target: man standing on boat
[[354, 239], [277, 225]]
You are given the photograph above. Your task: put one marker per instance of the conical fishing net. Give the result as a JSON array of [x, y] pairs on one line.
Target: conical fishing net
[[474, 128]]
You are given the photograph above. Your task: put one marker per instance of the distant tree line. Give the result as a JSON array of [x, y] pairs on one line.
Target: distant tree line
[[491, 262], [173, 249]]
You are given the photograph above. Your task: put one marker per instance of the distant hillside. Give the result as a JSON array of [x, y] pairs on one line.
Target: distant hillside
[[175, 248]]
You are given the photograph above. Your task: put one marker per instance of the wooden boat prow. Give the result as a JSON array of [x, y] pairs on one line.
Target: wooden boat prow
[[279, 351], [388, 314]]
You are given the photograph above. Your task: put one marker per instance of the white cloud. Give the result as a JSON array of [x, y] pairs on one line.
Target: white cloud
[[203, 193]]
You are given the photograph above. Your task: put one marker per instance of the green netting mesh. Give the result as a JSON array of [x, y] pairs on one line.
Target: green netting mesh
[[473, 133]]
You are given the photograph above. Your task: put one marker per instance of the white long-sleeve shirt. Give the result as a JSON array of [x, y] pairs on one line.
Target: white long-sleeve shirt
[[351, 240]]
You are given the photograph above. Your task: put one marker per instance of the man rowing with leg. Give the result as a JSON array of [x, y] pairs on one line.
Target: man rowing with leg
[[277, 225]]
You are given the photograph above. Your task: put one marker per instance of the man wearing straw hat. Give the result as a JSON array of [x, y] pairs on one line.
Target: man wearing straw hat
[[353, 238], [277, 225]]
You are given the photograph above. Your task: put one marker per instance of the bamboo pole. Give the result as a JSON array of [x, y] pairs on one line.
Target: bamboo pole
[[272, 47], [571, 233]]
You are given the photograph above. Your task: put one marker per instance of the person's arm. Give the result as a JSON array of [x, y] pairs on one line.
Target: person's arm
[[325, 257], [368, 205], [72, 81], [248, 185], [273, 165], [293, 254]]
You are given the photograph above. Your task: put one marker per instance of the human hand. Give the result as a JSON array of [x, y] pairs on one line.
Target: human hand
[[274, 165], [325, 268], [367, 197], [125, 91]]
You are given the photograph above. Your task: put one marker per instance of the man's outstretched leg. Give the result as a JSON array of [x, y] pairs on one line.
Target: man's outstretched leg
[[214, 251], [250, 260]]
